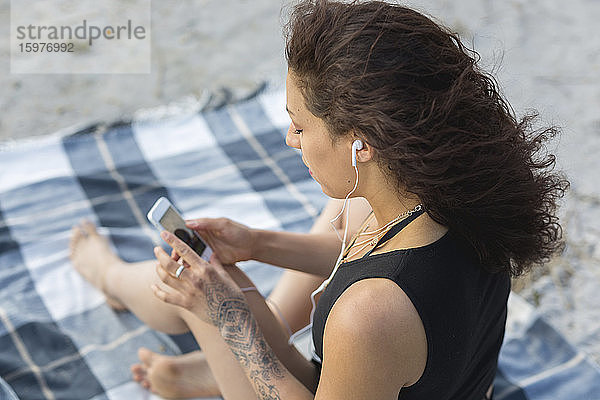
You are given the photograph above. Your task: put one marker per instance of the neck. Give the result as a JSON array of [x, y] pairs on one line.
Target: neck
[[383, 196], [387, 204], [388, 212]]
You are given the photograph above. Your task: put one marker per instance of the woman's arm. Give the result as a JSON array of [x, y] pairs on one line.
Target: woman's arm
[[266, 373], [215, 309], [311, 253], [314, 253], [233, 242], [275, 332]]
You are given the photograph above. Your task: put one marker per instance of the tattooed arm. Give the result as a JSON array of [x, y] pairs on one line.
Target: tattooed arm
[[240, 330], [209, 293]]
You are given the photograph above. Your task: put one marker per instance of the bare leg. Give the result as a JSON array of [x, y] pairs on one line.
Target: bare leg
[[129, 286], [126, 285]]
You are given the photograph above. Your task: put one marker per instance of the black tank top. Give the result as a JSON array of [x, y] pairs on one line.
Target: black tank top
[[461, 305]]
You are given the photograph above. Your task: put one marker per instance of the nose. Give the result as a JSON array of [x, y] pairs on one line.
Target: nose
[[292, 139]]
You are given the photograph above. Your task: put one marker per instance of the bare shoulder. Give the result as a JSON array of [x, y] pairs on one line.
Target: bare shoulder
[[373, 335]]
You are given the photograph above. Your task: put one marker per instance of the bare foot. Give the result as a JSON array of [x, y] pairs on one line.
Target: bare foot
[[182, 377], [92, 257]]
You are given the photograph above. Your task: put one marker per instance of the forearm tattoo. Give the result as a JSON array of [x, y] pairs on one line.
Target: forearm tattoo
[[231, 314]]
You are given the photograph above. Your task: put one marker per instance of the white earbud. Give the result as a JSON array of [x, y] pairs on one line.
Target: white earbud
[[356, 145]]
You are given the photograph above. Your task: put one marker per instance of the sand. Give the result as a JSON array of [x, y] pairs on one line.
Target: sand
[[545, 54]]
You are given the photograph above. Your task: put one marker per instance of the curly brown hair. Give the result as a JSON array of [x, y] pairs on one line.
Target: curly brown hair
[[415, 93]]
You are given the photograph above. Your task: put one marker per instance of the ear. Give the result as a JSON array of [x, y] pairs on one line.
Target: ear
[[366, 153]]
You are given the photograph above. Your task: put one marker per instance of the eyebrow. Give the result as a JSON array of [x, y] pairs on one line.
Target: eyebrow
[[288, 110]]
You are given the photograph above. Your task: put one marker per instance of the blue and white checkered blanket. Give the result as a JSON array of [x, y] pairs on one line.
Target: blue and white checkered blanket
[[58, 338]]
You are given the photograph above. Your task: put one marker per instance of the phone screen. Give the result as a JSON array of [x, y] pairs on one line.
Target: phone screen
[[172, 222]]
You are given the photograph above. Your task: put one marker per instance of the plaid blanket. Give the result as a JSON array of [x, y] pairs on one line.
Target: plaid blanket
[[58, 338]]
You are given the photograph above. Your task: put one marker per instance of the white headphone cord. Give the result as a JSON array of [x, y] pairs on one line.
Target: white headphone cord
[[335, 268]]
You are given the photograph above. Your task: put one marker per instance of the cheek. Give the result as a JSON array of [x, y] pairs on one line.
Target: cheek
[[331, 170], [315, 156]]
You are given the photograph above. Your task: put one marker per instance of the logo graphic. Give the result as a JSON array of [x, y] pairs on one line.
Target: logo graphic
[[83, 36]]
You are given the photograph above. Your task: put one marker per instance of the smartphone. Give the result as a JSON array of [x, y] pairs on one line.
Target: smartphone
[[165, 217]]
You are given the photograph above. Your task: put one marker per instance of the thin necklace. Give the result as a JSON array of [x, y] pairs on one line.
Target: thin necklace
[[399, 217], [372, 241]]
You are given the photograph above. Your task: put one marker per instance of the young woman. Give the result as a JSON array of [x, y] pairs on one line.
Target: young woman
[[388, 106]]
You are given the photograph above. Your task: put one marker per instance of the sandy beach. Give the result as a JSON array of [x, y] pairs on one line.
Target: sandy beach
[[545, 54]]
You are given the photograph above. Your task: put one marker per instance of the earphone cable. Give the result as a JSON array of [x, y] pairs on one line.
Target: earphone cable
[[335, 268]]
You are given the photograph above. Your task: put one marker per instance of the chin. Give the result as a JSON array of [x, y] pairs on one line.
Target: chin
[[333, 195], [326, 191]]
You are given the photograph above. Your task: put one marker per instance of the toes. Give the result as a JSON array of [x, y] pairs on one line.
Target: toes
[[76, 235], [146, 356], [89, 228], [78, 232], [138, 371]]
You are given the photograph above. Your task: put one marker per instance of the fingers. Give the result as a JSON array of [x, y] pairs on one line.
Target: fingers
[[177, 296], [174, 255], [174, 298], [183, 250], [166, 269]]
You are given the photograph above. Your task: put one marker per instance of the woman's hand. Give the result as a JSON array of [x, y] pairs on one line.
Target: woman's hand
[[231, 241], [203, 288]]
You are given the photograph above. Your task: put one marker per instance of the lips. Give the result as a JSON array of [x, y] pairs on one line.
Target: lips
[[309, 170], [306, 164]]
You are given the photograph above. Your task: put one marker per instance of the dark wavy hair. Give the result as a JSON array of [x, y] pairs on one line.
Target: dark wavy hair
[[440, 128]]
